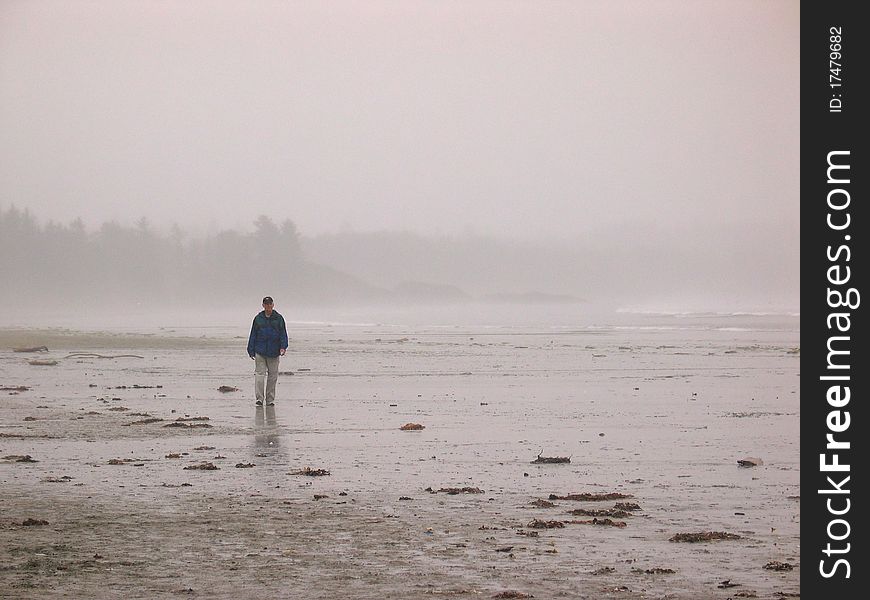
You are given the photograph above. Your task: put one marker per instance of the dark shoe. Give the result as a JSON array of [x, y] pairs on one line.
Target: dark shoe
[[259, 403], [270, 404]]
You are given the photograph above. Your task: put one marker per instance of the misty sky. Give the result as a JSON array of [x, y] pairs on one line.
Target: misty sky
[[533, 119]]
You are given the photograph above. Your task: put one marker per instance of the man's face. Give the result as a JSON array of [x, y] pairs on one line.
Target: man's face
[[268, 307]]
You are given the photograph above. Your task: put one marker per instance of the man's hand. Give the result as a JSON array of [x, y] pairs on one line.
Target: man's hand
[[282, 351], [252, 357]]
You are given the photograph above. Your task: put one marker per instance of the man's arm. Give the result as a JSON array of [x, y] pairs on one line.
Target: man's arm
[[251, 338]]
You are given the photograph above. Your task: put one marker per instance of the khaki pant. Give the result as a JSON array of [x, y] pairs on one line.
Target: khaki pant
[[265, 378]]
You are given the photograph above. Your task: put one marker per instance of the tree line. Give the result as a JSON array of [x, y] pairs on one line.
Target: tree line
[[65, 263]]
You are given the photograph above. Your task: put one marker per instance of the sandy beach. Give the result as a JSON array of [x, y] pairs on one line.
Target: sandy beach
[[101, 498]]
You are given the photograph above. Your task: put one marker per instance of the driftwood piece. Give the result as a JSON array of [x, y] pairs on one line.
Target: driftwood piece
[[224, 389], [39, 362], [541, 503], [589, 497], [596, 521], [412, 427], [704, 536], [206, 466], [145, 421], [463, 490], [187, 425], [654, 571], [540, 524], [14, 388], [19, 458], [31, 349], [602, 512], [309, 472], [550, 460]]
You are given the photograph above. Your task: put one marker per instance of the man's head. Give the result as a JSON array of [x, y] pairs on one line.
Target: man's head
[[268, 304]]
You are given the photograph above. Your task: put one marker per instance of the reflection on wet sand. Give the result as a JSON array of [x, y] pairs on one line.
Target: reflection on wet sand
[[267, 434]]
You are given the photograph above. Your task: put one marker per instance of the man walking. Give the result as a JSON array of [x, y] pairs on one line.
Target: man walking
[[267, 342]]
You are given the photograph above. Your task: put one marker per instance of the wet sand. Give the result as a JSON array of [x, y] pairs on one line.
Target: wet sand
[[659, 415]]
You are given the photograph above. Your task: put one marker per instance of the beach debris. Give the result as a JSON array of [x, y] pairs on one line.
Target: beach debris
[[704, 536], [61, 479], [541, 503], [227, 388], [40, 362], [31, 349], [119, 408], [750, 461], [144, 421], [601, 512], [511, 594], [540, 524], [590, 497], [412, 427], [525, 533], [136, 386], [30, 419], [626, 506], [597, 521], [14, 388], [453, 491], [120, 461], [402, 498], [204, 448], [654, 571], [504, 549], [185, 419], [184, 425], [604, 571], [34, 522], [775, 565], [727, 583], [320, 496], [19, 458], [550, 460], [245, 465], [309, 472], [204, 466]]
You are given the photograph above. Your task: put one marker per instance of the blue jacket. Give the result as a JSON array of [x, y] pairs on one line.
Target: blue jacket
[[268, 335]]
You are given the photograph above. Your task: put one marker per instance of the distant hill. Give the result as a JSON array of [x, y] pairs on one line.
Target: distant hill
[[533, 298], [418, 292]]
